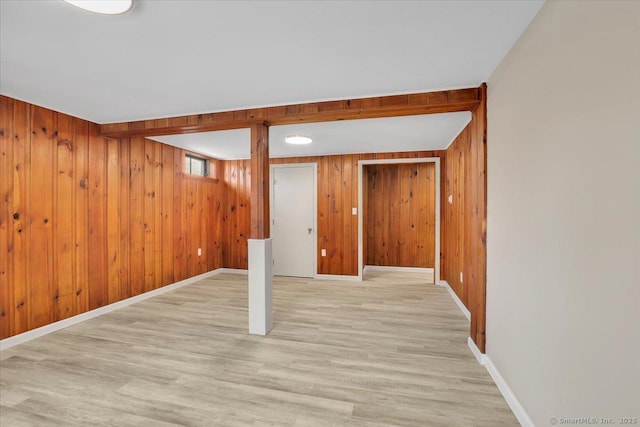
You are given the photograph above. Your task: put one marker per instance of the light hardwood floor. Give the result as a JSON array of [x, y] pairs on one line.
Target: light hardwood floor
[[388, 351]]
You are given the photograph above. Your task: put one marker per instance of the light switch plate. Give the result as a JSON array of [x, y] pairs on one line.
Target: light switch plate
[[354, 211]]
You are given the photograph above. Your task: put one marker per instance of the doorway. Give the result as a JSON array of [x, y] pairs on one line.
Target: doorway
[[415, 220], [293, 219]]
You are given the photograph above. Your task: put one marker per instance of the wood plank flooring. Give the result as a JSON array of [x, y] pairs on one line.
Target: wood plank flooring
[[388, 351]]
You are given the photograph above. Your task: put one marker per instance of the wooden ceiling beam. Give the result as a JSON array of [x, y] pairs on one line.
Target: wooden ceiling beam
[[447, 101]]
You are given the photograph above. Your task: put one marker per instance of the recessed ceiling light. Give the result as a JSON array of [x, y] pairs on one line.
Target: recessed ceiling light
[[106, 7], [298, 140]]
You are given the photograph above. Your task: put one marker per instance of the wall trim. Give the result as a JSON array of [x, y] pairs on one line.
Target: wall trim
[[393, 268], [70, 321], [512, 400], [457, 300], [232, 271], [338, 277], [476, 351]]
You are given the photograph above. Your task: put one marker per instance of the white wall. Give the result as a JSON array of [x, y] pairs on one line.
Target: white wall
[[563, 272]]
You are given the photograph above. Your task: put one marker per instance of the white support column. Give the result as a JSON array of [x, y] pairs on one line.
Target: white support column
[[260, 284]]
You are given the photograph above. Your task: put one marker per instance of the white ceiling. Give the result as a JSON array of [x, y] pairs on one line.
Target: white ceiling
[[168, 58], [409, 133]]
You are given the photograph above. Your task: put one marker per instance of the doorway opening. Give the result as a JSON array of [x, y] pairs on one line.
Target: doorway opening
[[399, 228]]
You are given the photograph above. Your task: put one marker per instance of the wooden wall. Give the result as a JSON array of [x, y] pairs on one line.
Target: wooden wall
[[337, 226], [452, 239], [463, 238], [337, 194], [236, 213], [86, 221], [475, 235], [399, 213]]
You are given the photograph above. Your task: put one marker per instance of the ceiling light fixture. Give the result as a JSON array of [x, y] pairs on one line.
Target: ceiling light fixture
[[105, 7], [298, 140]]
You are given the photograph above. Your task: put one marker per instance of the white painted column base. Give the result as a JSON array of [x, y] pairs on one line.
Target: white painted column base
[[260, 285]]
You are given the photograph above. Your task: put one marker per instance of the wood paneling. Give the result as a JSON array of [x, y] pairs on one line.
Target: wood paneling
[[337, 228], [40, 227], [114, 262], [125, 220], [136, 209], [166, 213], [86, 220], [337, 195], [179, 222], [6, 196], [476, 222], [81, 214], [383, 106], [19, 213], [399, 207], [452, 241], [236, 214], [63, 224], [464, 220], [98, 289], [200, 219], [148, 218]]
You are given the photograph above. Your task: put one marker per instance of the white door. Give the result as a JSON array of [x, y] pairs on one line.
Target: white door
[[293, 202]]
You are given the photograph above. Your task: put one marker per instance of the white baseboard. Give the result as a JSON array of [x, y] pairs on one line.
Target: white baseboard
[[505, 390], [512, 401], [65, 323], [337, 277], [476, 351], [457, 300], [399, 269], [232, 271]]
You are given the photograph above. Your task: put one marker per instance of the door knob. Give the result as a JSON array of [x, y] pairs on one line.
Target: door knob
[[309, 230]]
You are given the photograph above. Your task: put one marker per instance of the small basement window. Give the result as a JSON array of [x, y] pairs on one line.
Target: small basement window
[[196, 165]]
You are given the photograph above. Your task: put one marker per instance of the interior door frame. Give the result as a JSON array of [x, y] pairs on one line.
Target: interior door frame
[[313, 165], [361, 163]]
